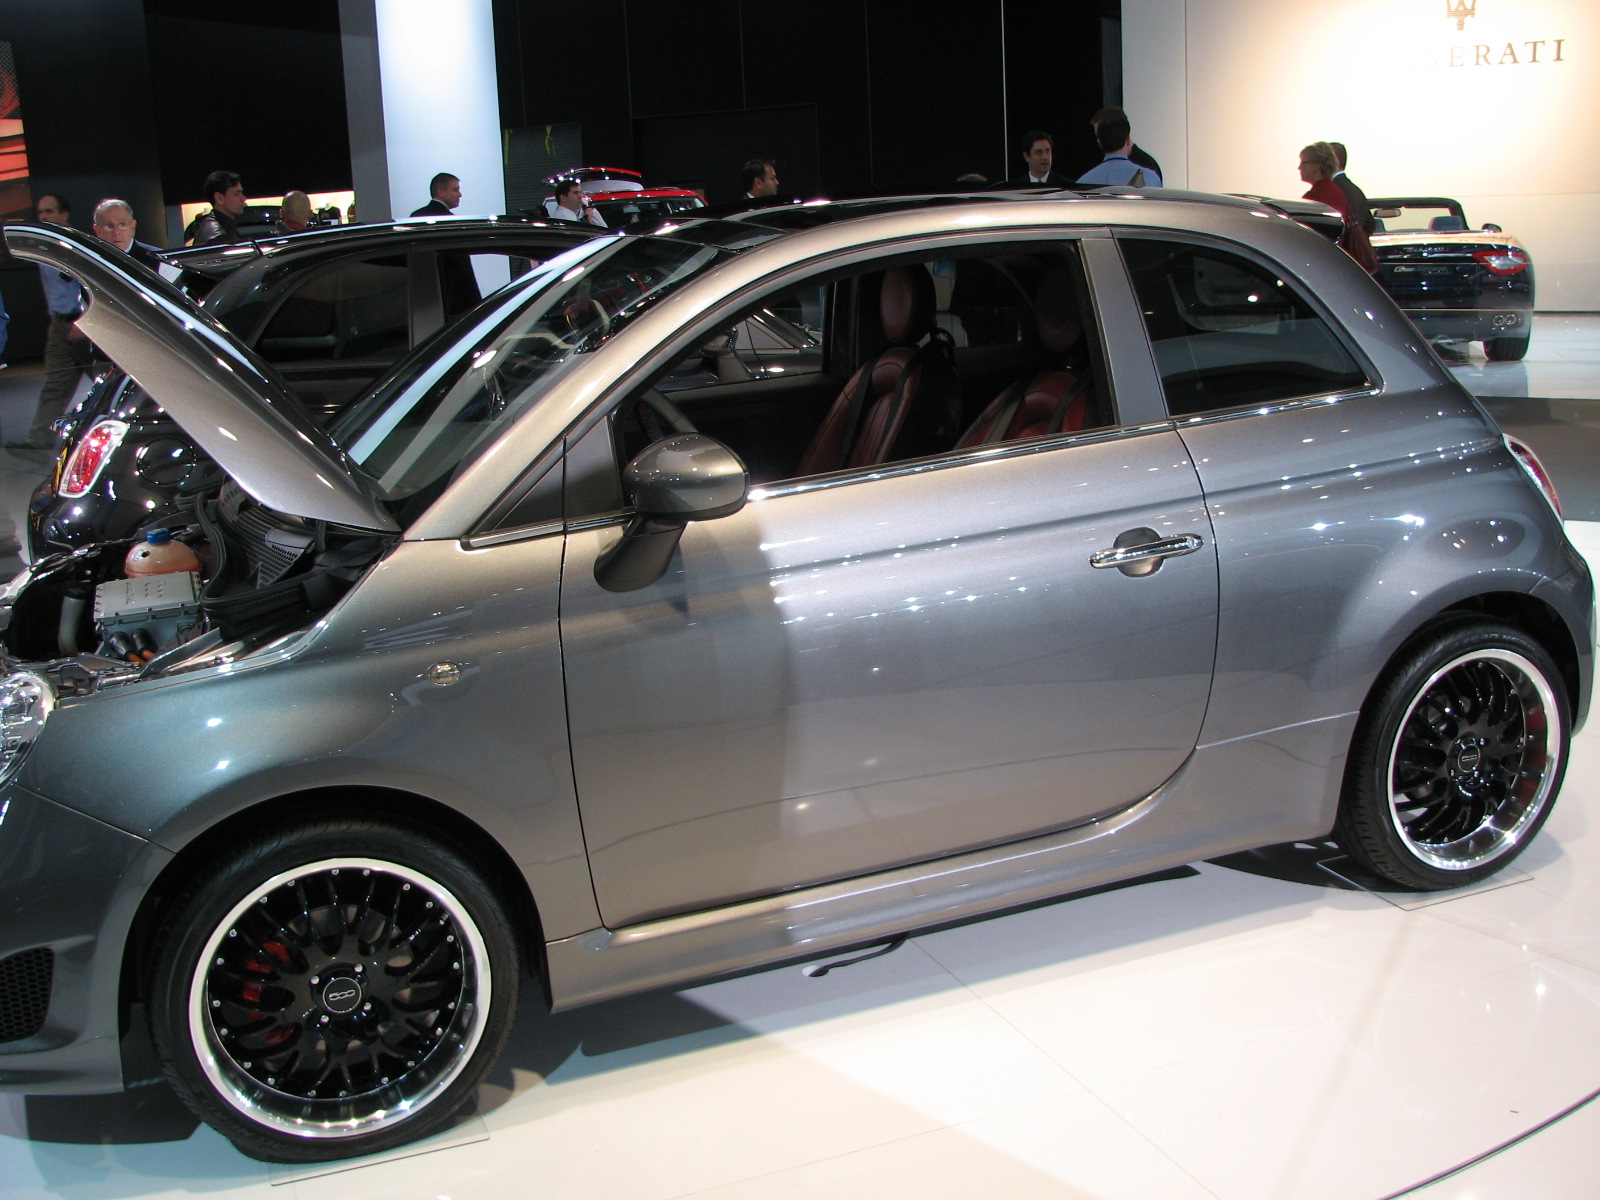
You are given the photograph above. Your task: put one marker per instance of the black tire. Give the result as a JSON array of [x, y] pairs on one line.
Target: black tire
[[336, 989], [1457, 758], [1505, 349]]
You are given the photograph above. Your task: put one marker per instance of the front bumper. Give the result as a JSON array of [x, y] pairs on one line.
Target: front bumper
[[69, 889]]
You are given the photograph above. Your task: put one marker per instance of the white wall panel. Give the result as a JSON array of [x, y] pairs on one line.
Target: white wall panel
[[1502, 113], [441, 103]]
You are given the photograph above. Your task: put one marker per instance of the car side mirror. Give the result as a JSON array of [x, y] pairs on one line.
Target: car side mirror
[[1491, 227], [683, 478]]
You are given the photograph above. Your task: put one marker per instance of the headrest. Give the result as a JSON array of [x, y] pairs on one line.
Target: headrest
[[1056, 311], [906, 304], [1447, 224]]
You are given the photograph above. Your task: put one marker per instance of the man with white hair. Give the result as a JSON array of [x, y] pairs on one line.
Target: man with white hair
[[114, 223]]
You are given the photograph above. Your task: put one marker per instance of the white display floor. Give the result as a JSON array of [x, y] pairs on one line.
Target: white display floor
[[1257, 1028]]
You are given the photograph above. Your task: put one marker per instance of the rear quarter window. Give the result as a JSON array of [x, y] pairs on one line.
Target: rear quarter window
[[1229, 331], [352, 310]]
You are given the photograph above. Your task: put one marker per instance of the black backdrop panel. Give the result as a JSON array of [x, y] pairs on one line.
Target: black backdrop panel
[[257, 93], [904, 95], [687, 58], [708, 149], [1054, 79]]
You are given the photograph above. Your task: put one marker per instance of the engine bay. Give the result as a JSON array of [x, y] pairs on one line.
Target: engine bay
[[247, 574]]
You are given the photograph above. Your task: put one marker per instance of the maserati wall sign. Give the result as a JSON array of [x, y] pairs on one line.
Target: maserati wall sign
[[1496, 53]]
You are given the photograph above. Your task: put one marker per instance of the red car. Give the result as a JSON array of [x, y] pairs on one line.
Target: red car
[[620, 196]]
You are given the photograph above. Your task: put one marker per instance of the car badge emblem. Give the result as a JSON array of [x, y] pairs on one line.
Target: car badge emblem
[[341, 995], [1459, 10]]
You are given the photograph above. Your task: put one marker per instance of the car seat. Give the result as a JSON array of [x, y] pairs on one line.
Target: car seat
[[1051, 401], [903, 403], [1450, 224]]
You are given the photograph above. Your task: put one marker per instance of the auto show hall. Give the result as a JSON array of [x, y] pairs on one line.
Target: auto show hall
[[1261, 1026]]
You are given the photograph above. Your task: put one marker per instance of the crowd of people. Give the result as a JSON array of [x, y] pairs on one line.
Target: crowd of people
[[67, 351]]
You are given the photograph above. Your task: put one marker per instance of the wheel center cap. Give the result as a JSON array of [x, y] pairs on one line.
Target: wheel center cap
[[1467, 758], [342, 994]]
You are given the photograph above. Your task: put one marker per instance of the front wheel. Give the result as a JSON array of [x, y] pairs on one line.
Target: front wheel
[[1457, 759], [336, 990]]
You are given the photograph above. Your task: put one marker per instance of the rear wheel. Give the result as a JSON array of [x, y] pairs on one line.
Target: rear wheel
[[1505, 349], [1457, 760], [336, 990]]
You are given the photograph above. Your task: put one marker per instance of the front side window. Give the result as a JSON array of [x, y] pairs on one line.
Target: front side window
[[899, 358], [1228, 331]]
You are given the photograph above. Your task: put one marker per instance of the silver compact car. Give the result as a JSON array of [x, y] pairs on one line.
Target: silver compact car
[[1091, 535]]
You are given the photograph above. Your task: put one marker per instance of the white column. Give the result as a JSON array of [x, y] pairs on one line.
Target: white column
[[422, 97]]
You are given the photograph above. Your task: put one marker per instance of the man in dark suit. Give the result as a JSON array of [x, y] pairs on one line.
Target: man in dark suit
[[1039, 154], [446, 192], [114, 223], [1360, 210]]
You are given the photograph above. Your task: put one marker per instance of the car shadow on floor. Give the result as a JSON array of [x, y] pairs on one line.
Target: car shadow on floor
[[1292, 862]]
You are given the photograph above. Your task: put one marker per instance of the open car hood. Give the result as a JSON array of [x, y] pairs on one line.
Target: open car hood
[[235, 407]]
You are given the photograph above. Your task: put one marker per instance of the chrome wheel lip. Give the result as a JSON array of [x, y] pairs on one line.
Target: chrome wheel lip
[[252, 1099], [1525, 811]]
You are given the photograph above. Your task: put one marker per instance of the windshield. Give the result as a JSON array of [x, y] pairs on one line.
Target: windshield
[[1442, 217], [448, 402]]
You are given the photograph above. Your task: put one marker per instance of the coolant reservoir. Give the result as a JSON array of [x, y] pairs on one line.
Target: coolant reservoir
[[159, 554]]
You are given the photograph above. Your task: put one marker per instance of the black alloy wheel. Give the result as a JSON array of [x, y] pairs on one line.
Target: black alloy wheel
[[1457, 759], [334, 991]]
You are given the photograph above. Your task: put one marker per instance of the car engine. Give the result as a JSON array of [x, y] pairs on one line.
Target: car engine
[[261, 575]]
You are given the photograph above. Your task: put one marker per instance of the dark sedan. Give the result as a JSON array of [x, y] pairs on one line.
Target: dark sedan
[[330, 309], [1458, 284]]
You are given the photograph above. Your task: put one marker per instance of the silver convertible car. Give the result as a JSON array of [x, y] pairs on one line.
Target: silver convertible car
[[1098, 535]]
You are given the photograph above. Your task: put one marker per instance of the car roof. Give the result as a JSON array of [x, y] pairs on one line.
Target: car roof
[[735, 226], [222, 259]]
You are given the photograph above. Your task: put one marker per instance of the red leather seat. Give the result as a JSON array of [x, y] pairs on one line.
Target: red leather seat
[[902, 404], [1051, 401]]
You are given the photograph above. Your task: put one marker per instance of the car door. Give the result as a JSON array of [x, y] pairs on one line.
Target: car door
[[870, 668]]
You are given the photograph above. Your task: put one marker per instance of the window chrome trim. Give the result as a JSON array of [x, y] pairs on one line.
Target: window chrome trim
[[919, 466], [1275, 406], [522, 533]]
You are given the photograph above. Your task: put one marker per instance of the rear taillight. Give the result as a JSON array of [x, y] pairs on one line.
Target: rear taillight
[[90, 455], [1529, 461], [1502, 262]]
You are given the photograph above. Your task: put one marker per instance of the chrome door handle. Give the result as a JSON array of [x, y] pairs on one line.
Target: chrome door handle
[[1142, 551]]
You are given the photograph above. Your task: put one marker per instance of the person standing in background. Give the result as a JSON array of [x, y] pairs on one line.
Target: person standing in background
[[114, 223], [1039, 156], [1115, 139], [1360, 210], [1318, 163], [294, 214], [66, 348], [221, 224], [573, 205], [445, 190], [759, 178], [1137, 155]]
